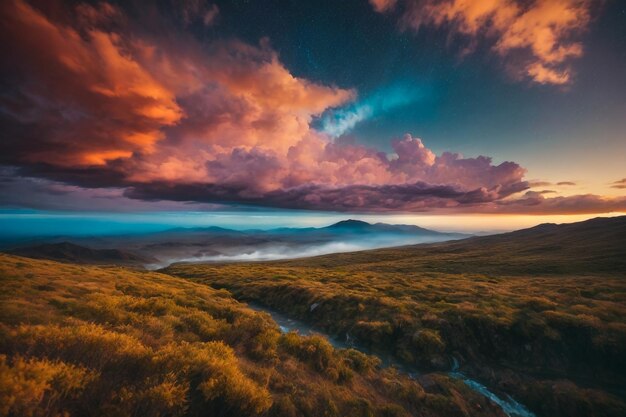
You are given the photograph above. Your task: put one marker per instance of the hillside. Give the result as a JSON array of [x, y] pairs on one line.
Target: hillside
[[538, 312], [81, 340], [593, 246], [72, 253]]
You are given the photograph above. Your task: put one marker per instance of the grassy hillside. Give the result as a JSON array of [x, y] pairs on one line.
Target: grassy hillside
[[83, 340], [555, 335], [71, 253], [593, 246]]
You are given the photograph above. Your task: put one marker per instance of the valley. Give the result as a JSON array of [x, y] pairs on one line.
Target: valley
[[497, 325], [553, 339]]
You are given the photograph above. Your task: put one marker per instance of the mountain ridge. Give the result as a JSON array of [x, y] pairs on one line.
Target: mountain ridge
[[206, 243], [594, 245]]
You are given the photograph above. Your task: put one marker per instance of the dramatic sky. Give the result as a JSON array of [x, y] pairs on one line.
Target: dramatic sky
[[379, 107]]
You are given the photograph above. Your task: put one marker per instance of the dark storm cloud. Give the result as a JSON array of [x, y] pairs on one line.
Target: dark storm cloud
[[406, 197]]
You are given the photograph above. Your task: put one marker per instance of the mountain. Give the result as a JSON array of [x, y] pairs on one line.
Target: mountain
[[359, 226], [349, 228], [592, 246], [350, 224], [69, 252]]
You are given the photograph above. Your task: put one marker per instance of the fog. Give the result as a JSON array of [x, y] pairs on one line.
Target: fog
[[277, 251]]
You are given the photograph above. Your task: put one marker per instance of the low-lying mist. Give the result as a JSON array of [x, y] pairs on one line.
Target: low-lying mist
[[277, 251]]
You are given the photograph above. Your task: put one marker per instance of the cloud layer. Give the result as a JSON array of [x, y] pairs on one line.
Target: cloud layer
[[93, 100], [538, 37]]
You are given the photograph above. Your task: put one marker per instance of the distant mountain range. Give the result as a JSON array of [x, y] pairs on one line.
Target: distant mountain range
[[220, 244], [341, 227], [358, 226], [593, 245], [351, 226]]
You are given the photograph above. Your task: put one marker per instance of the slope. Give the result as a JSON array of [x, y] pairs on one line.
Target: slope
[[538, 312], [82, 340]]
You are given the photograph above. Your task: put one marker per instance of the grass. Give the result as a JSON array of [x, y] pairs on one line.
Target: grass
[[548, 325], [439, 313], [80, 340]]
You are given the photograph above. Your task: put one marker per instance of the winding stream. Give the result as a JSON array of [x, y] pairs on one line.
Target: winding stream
[[508, 405]]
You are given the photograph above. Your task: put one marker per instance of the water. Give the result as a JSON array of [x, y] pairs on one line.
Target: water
[[508, 405], [287, 324]]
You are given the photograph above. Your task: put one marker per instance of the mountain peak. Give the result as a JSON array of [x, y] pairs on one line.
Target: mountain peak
[[361, 227], [351, 224]]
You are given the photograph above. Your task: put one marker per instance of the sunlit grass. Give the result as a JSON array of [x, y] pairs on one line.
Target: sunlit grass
[[528, 333], [79, 340]]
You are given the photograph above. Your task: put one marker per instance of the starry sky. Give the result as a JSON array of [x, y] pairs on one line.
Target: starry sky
[[409, 108]]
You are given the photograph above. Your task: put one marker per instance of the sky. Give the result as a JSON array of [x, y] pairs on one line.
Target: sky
[[456, 114]]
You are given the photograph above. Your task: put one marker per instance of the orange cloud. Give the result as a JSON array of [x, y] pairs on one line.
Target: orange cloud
[[541, 33], [112, 93], [382, 6], [84, 96], [237, 98]]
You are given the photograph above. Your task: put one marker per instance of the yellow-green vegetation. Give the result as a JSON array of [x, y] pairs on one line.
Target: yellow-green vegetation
[[78, 341], [556, 341]]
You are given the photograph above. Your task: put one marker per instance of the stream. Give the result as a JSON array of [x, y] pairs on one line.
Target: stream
[[508, 405]]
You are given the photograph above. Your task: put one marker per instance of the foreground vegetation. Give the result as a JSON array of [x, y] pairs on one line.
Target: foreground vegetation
[[79, 340], [554, 339]]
